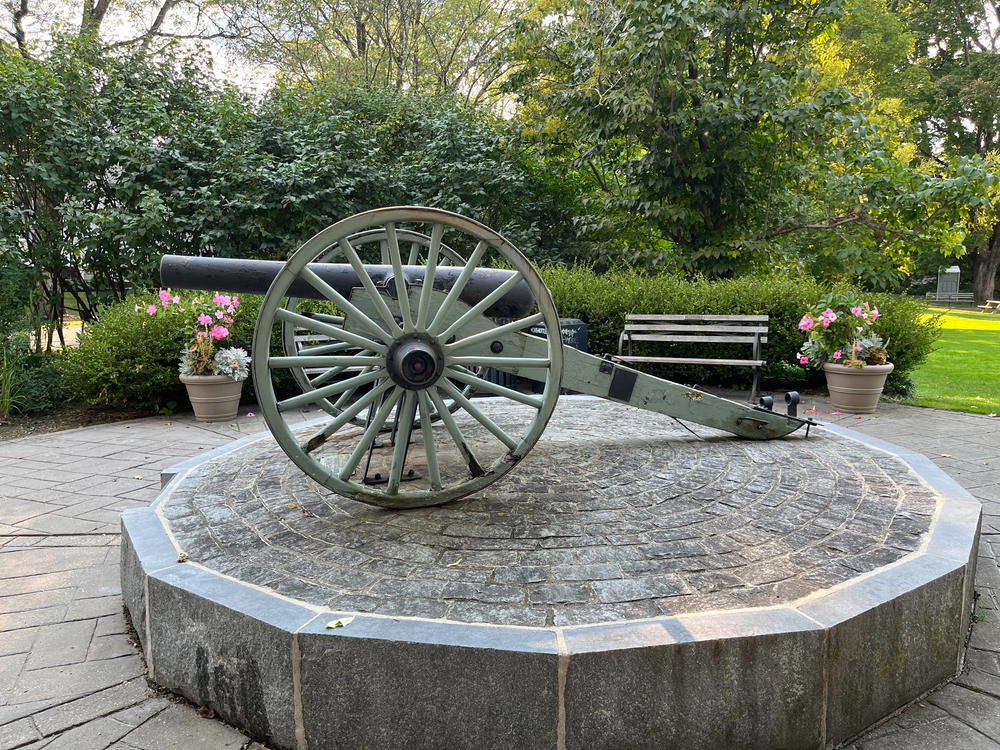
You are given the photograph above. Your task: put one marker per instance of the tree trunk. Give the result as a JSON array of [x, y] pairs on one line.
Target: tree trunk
[[984, 268]]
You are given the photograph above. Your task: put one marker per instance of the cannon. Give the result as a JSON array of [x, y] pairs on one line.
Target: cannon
[[415, 306]]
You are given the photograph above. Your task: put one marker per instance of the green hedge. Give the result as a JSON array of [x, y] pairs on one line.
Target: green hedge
[[129, 358], [603, 301]]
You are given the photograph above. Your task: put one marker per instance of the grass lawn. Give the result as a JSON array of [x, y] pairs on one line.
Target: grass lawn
[[963, 371]]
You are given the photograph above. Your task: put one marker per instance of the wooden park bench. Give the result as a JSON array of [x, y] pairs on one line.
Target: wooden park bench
[[991, 306], [703, 329]]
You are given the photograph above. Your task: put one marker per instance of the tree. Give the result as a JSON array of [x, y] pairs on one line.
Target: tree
[[712, 124], [420, 46], [109, 161], [958, 48], [81, 133], [32, 26]]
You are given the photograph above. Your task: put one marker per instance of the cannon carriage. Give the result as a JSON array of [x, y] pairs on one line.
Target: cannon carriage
[[395, 367]]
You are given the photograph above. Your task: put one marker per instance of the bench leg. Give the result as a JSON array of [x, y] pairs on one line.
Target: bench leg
[[755, 388]]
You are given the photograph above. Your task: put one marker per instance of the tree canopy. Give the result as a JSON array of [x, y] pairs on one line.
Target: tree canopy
[[845, 138]]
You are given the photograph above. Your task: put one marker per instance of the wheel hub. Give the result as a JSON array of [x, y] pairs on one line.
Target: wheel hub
[[415, 361]]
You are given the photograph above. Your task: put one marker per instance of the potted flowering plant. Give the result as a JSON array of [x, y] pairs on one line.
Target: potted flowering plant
[[841, 338], [213, 376]]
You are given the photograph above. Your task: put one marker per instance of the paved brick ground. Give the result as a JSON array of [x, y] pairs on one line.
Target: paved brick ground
[[71, 678]]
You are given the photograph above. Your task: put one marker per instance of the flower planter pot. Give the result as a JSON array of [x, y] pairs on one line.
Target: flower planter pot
[[855, 389], [215, 398]]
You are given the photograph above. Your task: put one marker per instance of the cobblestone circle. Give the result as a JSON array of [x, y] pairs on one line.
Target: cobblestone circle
[[616, 514]]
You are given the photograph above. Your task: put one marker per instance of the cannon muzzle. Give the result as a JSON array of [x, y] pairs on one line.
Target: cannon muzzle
[[241, 276]]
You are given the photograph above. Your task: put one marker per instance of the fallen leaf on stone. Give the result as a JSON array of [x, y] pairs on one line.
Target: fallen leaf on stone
[[453, 564], [168, 424], [182, 557], [206, 713], [339, 623], [859, 417], [836, 413], [293, 506], [137, 476], [945, 455]]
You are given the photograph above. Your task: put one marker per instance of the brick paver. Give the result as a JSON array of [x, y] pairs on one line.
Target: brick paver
[[70, 677]]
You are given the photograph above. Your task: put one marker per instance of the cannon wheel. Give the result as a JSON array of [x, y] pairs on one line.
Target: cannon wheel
[[296, 343], [385, 338]]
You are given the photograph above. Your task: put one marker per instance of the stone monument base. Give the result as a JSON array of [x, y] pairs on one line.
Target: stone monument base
[[631, 584]]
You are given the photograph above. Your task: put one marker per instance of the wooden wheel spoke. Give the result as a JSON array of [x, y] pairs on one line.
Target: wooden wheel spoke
[[345, 415], [404, 427], [342, 302], [399, 280], [456, 289], [482, 306], [414, 255], [332, 319], [332, 331], [366, 440], [311, 397], [478, 415], [498, 390], [427, 290], [366, 281], [428, 434], [491, 334], [332, 373], [352, 360], [475, 468], [308, 351]]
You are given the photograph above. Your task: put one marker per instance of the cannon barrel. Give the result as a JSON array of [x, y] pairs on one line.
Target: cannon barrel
[[241, 276]]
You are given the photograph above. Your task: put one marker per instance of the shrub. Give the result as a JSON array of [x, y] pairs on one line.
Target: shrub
[[603, 301], [129, 358], [30, 382]]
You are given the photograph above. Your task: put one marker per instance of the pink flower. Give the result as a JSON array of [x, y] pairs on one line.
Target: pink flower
[[235, 301], [231, 309], [219, 314], [836, 413], [227, 319], [251, 414], [222, 300], [838, 354], [857, 311], [807, 323], [204, 319], [201, 335], [164, 295], [875, 313], [803, 359], [857, 346], [219, 332], [151, 310], [176, 299]]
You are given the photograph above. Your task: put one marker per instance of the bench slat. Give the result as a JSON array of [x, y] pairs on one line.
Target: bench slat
[[748, 318], [694, 361], [696, 339], [695, 328]]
